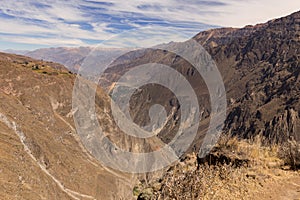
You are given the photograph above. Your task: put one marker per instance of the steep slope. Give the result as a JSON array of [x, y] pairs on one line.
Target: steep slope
[[260, 68], [264, 83], [41, 154]]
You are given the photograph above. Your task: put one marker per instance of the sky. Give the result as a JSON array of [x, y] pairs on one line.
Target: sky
[[31, 24]]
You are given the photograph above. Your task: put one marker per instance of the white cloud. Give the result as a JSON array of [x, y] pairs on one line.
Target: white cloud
[[45, 41], [51, 19], [145, 37], [251, 12], [237, 13]]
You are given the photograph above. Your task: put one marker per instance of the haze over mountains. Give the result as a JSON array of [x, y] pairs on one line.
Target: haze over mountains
[[71, 57], [40, 148], [260, 68]]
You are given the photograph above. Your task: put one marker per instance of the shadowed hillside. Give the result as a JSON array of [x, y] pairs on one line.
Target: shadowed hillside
[[42, 156]]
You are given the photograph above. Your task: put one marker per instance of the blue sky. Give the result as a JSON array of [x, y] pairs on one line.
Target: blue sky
[[31, 24]]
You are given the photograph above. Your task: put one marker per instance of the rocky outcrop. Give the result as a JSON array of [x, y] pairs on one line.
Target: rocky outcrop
[[260, 67]]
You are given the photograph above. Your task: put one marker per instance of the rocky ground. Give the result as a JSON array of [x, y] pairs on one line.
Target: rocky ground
[[234, 170], [43, 158]]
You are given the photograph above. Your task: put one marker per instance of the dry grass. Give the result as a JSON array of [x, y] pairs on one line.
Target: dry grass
[[188, 180], [290, 153]]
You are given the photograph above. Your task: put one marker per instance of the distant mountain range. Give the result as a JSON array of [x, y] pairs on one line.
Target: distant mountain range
[[258, 64], [18, 52], [40, 148], [71, 57], [260, 68]]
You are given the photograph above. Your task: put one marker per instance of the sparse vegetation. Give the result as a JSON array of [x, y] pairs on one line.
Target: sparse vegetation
[[35, 67], [216, 179], [290, 153]]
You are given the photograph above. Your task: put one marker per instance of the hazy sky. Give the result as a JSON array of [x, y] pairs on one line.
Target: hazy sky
[[30, 24]]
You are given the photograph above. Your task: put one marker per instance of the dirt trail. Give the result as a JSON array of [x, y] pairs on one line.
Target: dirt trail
[[22, 137], [286, 187]]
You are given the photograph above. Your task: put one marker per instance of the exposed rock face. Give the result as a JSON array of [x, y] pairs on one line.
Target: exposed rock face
[[259, 65], [263, 81], [260, 68]]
